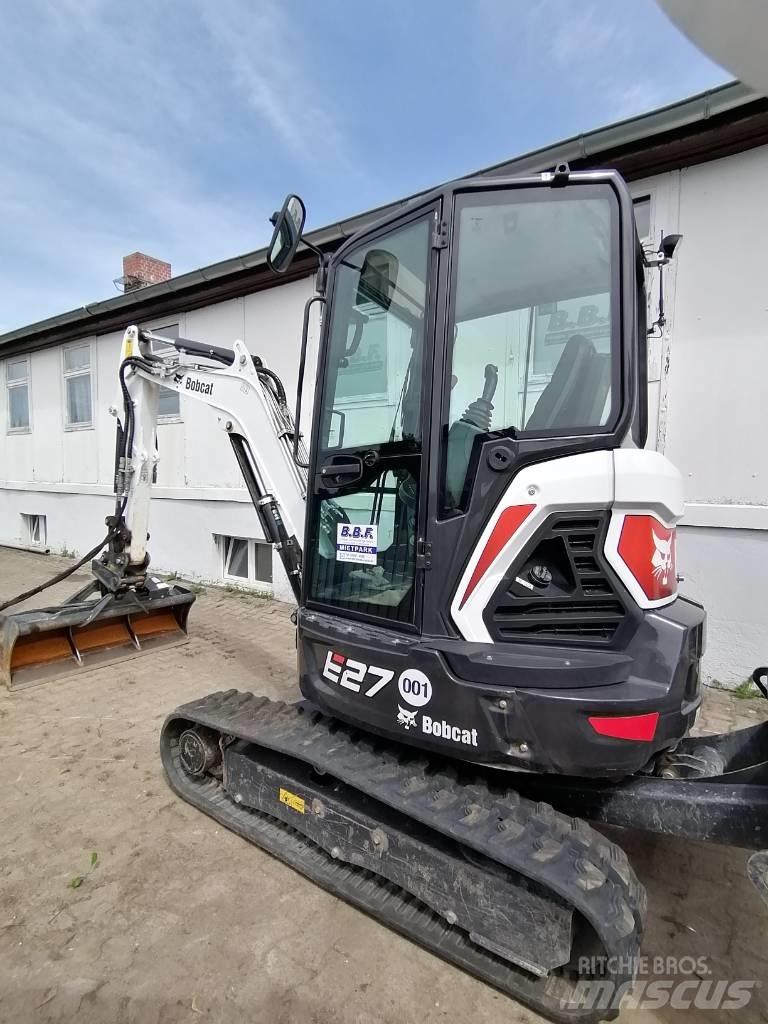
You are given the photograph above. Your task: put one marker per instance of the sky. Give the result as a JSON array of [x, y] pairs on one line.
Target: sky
[[176, 127]]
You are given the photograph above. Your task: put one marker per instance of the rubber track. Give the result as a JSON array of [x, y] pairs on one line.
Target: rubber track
[[562, 854]]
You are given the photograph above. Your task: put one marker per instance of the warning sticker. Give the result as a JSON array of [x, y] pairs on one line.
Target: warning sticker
[[356, 543], [296, 803]]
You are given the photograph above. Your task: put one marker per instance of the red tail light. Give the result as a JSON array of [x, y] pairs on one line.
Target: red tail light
[[626, 727], [647, 548]]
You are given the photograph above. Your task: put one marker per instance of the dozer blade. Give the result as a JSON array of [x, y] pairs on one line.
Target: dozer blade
[[49, 643]]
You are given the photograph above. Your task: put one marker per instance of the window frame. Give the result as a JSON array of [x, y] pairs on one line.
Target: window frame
[[432, 207], [66, 375], [252, 580], [647, 241], [29, 520], [529, 190], [391, 395], [159, 327], [531, 193], [10, 385], [645, 197]]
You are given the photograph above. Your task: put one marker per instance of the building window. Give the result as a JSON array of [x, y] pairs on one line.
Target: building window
[[244, 561], [17, 381], [168, 404], [77, 386], [34, 530], [642, 207], [168, 407]]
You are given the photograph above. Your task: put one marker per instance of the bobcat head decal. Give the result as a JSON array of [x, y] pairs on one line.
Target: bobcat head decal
[[406, 718], [661, 560]]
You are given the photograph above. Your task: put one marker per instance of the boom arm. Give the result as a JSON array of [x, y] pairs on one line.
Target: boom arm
[[252, 410]]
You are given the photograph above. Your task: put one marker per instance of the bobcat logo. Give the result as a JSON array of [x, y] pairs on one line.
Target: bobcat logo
[[661, 559], [406, 718]]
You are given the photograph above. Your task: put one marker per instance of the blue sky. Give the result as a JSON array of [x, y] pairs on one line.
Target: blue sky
[[176, 128]]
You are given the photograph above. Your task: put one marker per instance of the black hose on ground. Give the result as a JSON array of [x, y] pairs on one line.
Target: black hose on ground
[[58, 577]]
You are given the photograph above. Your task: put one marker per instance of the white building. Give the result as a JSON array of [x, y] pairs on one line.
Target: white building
[[699, 167]]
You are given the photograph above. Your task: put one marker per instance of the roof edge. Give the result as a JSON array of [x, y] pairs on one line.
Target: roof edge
[[683, 113]]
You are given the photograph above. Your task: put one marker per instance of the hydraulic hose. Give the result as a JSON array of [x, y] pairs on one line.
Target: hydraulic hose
[[58, 577], [279, 389]]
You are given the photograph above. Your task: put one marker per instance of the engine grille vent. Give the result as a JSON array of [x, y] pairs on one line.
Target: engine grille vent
[[580, 607]]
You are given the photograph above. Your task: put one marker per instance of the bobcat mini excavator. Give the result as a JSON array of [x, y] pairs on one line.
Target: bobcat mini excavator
[[490, 637]]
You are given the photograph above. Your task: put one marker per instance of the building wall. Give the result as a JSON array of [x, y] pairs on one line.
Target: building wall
[[66, 475], [737, 639], [183, 531], [706, 395], [717, 428], [707, 413]]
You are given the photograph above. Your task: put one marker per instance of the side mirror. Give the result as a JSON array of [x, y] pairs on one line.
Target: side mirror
[[289, 223]]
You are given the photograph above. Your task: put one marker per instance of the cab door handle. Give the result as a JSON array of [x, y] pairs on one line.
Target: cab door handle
[[341, 473]]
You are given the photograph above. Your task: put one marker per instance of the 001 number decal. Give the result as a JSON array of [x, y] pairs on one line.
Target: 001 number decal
[[351, 674]]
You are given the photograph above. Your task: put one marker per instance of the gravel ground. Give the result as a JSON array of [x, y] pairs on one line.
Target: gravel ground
[[182, 921]]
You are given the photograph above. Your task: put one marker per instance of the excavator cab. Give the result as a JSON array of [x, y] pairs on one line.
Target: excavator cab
[[483, 527]]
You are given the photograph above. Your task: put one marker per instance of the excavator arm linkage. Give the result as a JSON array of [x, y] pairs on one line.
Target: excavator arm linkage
[[125, 610]]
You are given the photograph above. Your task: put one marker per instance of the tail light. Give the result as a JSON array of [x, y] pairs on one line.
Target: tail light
[[626, 727]]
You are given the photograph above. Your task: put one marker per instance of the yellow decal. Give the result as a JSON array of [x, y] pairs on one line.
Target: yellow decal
[[296, 803]]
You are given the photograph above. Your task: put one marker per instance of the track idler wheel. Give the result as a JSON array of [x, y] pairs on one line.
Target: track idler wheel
[[199, 750]]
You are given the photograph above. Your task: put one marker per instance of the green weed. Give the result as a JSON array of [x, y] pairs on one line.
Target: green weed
[[746, 690], [78, 880]]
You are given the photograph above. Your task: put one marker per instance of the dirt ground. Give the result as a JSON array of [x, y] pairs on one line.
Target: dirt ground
[[182, 921]]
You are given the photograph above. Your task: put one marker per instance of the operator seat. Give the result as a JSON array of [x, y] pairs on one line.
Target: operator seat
[[575, 395]]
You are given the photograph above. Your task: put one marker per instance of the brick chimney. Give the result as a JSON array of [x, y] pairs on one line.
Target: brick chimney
[[139, 270]]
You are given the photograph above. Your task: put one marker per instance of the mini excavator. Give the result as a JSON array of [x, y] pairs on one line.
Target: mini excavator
[[492, 649]]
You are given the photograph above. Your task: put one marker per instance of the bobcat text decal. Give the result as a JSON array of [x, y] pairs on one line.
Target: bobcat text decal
[[437, 727], [204, 388]]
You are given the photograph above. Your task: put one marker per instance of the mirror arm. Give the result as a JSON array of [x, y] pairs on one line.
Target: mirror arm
[[661, 319], [318, 252]]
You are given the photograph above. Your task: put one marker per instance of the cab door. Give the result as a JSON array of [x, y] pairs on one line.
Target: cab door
[[365, 512]]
